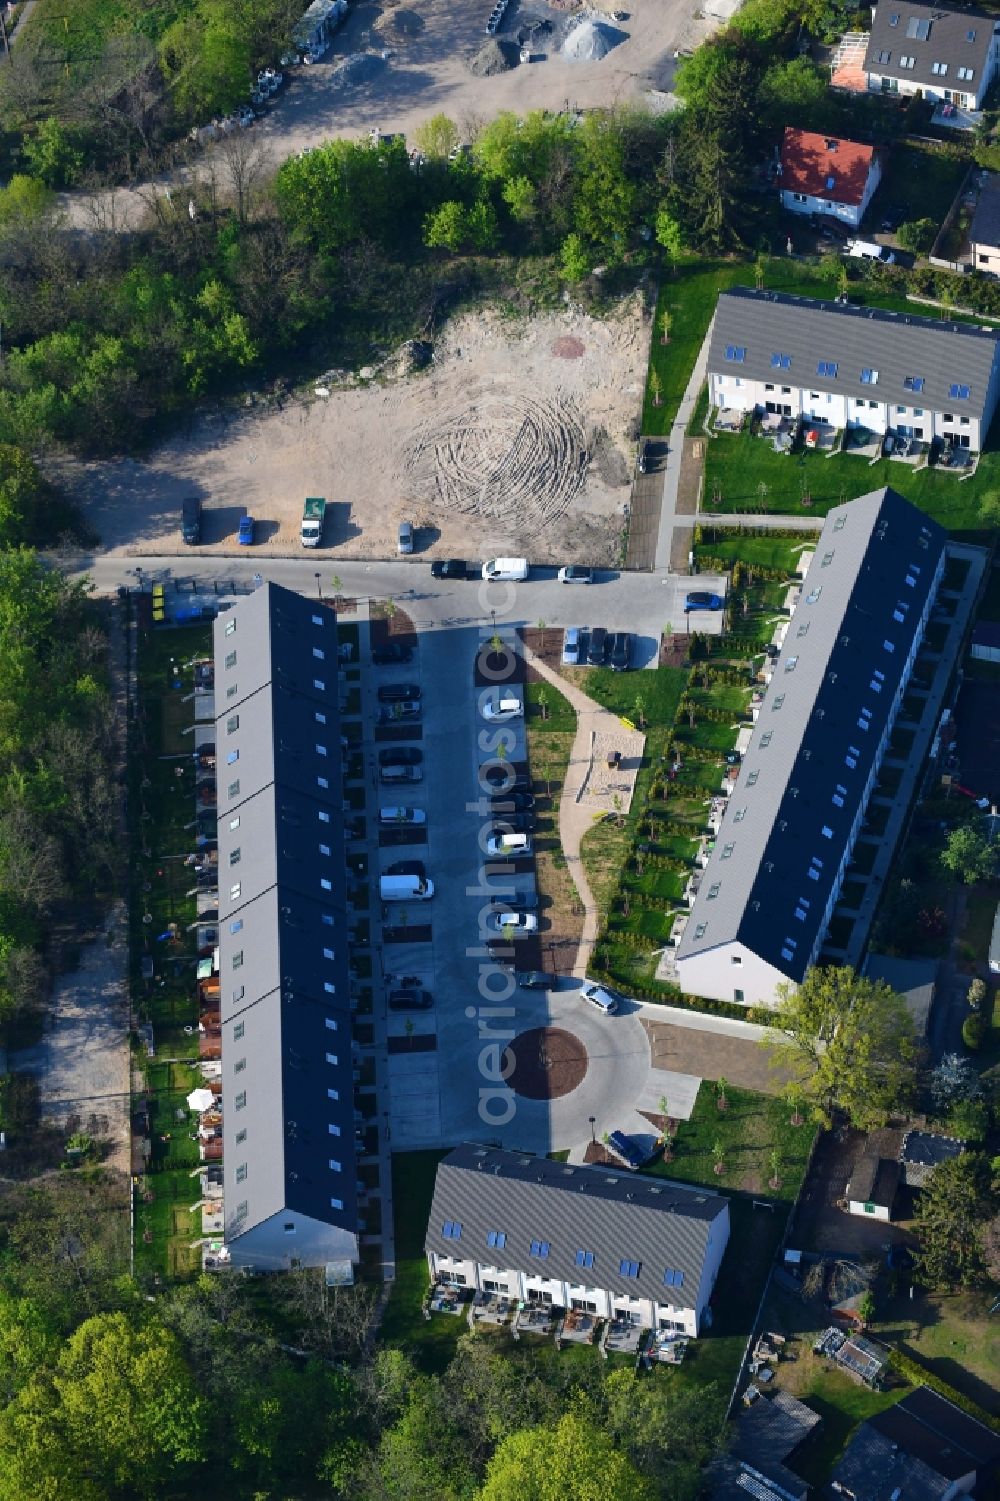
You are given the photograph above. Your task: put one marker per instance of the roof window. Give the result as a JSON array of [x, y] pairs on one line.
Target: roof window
[[828, 368], [585, 1258], [913, 382], [869, 377], [736, 353], [673, 1278], [629, 1268], [452, 1230], [959, 392], [939, 68], [883, 57], [496, 1239], [540, 1248], [781, 362], [919, 30]]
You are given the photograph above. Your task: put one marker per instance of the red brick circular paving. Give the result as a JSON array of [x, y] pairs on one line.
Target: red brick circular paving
[[548, 1063], [568, 348]]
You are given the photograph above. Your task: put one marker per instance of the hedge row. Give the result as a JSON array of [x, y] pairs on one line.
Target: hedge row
[[904, 1365]]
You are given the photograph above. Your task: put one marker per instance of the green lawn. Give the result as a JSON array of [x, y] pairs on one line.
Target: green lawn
[[430, 1341], [919, 179], [764, 552], [165, 1226], [744, 474], [660, 692]]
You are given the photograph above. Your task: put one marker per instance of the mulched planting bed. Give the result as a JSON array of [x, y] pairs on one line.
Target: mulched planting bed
[[548, 1063]]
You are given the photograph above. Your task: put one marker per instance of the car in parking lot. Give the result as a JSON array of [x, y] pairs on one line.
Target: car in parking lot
[[601, 999], [503, 706], [627, 1149], [407, 868], [620, 653], [397, 816], [643, 456], [598, 646], [700, 599], [516, 901], [535, 979], [398, 693], [392, 652], [506, 776], [449, 568], [402, 709], [404, 539], [400, 755], [246, 532], [514, 924], [508, 844], [518, 823], [410, 1000], [512, 802], [574, 573], [390, 775], [571, 646]]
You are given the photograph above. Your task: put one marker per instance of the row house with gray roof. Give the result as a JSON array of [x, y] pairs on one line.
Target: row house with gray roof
[[289, 1153], [941, 53], [844, 366], [642, 1250], [774, 875]]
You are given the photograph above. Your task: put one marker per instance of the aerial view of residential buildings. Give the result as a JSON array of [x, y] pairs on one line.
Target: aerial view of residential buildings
[[500, 686]]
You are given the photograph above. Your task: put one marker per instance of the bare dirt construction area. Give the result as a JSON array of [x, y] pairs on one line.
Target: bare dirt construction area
[[516, 437]]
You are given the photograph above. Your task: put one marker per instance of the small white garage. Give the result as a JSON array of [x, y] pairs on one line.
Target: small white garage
[[871, 1192]]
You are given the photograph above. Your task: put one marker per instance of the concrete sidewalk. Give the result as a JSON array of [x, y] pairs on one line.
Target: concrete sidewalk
[[675, 451]]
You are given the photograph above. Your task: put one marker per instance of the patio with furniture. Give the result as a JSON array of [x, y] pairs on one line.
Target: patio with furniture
[[728, 420], [622, 1337], [668, 1347], [821, 436], [579, 1327], [862, 443], [535, 1318], [491, 1308], [446, 1297], [906, 450]]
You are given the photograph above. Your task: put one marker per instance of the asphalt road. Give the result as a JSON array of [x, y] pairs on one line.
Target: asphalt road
[[644, 603]]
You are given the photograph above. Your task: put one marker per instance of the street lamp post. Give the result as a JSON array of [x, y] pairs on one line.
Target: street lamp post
[[593, 1123], [319, 585]]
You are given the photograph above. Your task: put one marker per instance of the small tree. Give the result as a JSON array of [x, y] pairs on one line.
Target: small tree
[[917, 235], [721, 1103], [666, 321], [718, 1157], [574, 259], [794, 1097], [774, 1182], [969, 855], [639, 710], [390, 608], [543, 702], [656, 387], [616, 803], [972, 1031], [668, 237], [866, 1308]]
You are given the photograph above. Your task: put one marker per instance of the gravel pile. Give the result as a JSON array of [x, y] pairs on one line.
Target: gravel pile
[[361, 68], [494, 57], [588, 41]]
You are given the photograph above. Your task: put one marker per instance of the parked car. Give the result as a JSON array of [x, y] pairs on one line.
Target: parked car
[[389, 775], [512, 802], [505, 845], [505, 706], [410, 1000], [391, 653], [449, 568], [407, 868], [620, 655], [624, 1147], [517, 823], [514, 924], [701, 600], [246, 532], [535, 979], [398, 693], [573, 573], [517, 901], [395, 817], [597, 647], [404, 539], [571, 646], [598, 997], [643, 456], [400, 755], [506, 776], [402, 709]]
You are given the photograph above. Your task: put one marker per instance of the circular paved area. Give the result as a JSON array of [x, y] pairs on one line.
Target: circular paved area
[[548, 1063]]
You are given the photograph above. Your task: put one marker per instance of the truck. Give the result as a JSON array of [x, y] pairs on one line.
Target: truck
[[313, 515]]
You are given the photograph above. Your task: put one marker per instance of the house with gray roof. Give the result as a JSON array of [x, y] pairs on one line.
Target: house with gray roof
[[944, 54], [289, 1156], [844, 366], [643, 1250], [923, 1448], [768, 891], [984, 231], [923, 1151]]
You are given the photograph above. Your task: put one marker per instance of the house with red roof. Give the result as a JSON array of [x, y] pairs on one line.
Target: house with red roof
[[821, 174]]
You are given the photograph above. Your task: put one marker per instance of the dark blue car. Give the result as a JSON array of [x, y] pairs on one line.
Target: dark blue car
[[246, 530], [700, 600]]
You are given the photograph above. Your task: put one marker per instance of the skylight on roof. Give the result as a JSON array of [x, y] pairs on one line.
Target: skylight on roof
[[827, 367], [970, 36], [781, 361], [959, 392], [629, 1268], [918, 29], [736, 353]]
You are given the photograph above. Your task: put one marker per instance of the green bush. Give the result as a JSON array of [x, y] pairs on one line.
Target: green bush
[[972, 1031], [911, 1370], [917, 235]]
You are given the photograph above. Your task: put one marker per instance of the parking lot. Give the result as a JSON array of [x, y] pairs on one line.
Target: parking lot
[[447, 1061]]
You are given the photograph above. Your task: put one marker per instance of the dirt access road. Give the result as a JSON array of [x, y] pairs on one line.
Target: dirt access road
[[516, 438], [393, 66]]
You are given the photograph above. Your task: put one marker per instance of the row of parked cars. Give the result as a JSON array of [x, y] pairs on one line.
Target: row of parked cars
[[593, 646]]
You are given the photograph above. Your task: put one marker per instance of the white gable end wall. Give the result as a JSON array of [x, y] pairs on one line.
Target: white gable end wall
[[731, 972]]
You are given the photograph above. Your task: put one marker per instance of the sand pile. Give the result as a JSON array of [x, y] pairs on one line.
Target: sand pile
[[494, 57], [399, 26], [589, 40]]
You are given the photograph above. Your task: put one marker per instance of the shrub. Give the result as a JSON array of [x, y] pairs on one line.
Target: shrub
[[972, 1031], [917, 235]]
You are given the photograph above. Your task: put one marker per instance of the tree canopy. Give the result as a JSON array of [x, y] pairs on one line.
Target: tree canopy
[[849, 1041], [954, 1212]]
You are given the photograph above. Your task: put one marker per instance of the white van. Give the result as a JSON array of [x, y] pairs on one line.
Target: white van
[[405, 889], [867, 250], [508, 846], [506, 570], [397, 817], [396, 773]]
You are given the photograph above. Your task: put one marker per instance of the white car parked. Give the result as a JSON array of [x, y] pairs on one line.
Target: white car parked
[[504, 706], [513, 923], [602, 999], [571, 646]]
